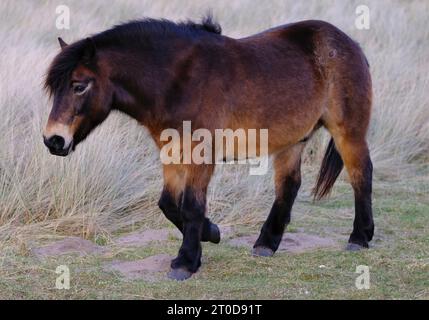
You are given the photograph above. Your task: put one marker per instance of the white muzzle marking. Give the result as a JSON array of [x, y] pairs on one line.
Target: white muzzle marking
[[61, 130]]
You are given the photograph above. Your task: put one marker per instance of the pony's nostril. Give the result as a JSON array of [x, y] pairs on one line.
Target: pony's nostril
[[55, 142]]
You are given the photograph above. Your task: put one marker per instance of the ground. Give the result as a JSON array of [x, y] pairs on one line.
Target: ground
[[132, 265]]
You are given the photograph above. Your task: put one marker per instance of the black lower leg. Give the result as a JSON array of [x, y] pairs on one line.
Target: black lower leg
[[169, 207], [279, 217], [363, 225], [193, 210], [171, 210]]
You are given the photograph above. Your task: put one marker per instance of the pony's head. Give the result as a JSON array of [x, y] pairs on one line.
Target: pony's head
[[82, 96]]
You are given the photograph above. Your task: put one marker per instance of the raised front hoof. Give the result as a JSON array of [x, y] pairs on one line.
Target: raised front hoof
[[355, 247], [262, 252], [214, 233], [179, 274]]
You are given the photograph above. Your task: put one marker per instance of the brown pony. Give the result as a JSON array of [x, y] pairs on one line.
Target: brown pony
[[290, 80]]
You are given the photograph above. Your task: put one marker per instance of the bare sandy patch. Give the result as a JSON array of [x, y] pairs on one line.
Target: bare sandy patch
[[69, 245], [142, 238], [153, 268], [291, 242], [226, 231]]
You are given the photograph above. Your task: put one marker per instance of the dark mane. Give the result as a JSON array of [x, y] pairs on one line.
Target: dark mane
[[207, 24], [133, 33], [146, 29]]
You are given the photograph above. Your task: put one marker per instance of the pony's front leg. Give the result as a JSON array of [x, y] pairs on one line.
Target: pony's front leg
[[193, 208], [171, 199], [170, 207]]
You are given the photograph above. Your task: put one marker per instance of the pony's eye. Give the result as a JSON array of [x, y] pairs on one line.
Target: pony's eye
[[79, 88]]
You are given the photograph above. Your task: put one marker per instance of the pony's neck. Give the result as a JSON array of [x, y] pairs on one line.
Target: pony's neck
[[141, 78]]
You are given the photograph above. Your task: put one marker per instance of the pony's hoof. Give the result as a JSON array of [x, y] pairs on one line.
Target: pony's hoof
[[262, 252], [179, 274], [214, 233], [354, 247]]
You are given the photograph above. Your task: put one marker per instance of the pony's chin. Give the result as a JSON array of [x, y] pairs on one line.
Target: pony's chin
[[62, 153]]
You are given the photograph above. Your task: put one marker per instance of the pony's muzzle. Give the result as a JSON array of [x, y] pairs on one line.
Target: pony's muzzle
[[56, 145]]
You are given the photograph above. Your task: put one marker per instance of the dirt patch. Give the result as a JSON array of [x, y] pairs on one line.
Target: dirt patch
[[153, 268], [70, 245], [226, 231], [141, 238], [292, 242]]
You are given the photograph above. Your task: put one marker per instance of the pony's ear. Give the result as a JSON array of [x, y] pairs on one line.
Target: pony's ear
[[89, 52], [63, 44]]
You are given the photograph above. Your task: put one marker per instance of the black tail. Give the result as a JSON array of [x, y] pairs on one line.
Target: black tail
[[332, 165]]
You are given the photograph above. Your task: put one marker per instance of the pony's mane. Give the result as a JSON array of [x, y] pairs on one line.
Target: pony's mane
[[133, 33], [139, 30]]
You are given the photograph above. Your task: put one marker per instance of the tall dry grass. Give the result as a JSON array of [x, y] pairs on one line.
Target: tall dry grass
[[113, 180]]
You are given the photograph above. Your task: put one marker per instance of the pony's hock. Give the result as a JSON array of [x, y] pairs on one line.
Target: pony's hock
[[290, 80]]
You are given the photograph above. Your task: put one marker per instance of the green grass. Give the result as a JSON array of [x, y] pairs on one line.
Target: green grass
[[398, 261]]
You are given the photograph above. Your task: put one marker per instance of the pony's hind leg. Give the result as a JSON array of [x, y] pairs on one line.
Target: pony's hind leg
[[347, 119], [356, 158], [287, 165], [170, 202]]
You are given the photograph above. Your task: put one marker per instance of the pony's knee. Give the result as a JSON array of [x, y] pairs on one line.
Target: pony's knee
[[167, 203], [289, 187], [292, 185], [360, 172], [357, 160], [194, 205], [362, 180]]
